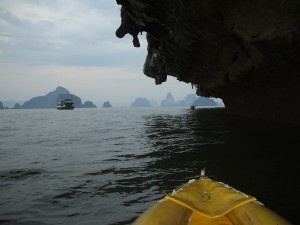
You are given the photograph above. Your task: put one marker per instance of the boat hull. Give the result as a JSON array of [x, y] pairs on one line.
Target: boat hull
[[65, 108]]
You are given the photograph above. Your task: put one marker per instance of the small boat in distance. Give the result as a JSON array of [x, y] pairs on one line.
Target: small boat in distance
[[65, 104], [193, 107]]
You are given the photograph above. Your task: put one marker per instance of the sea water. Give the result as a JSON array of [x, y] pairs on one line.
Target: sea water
[[106, 166]]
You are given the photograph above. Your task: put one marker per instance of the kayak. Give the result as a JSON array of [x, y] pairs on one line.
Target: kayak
[[205, 201]]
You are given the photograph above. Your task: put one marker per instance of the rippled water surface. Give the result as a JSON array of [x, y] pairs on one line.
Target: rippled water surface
[[106, 166]]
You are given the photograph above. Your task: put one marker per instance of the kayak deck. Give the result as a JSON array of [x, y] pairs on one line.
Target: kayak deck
[[205, 201]]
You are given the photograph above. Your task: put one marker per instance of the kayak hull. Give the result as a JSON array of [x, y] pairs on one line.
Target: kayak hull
[[208, 202]]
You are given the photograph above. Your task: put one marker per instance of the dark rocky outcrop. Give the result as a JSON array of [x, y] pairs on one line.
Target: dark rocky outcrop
[[107, 104], [1, 105], [141, 102], [245, 52]]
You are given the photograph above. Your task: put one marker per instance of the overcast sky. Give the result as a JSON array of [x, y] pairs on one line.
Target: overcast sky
[[72, 43]]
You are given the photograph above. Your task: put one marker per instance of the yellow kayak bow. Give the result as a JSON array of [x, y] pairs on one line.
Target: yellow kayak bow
[[208, 202]]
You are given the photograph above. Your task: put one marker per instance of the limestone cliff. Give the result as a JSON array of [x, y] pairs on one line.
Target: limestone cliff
[[244, 52]]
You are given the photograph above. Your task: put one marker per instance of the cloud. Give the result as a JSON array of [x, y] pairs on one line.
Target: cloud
[[62, 32], [72, 43]]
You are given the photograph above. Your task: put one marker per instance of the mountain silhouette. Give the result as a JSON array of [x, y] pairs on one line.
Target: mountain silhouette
[[202, 101], [50, 100], [141, 102], [169, 100]]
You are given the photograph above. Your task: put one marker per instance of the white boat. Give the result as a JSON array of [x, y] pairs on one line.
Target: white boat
[[66, 104]]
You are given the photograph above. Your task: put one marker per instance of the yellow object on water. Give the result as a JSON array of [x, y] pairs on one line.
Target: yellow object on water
[[208, 202]]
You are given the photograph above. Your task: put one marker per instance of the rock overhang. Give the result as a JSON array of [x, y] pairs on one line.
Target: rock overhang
[[244, 52]]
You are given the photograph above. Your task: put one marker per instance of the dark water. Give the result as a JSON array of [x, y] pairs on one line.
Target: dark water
[[96, 166]]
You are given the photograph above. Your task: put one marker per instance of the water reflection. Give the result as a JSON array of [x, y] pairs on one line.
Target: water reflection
[[256, 157]]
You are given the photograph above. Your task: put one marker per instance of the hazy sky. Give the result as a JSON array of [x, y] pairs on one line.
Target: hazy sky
[[72, 43]]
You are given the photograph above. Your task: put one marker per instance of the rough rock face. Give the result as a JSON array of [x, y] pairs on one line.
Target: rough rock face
[[244, 52]]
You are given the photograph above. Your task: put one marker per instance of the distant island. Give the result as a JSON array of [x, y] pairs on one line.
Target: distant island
[[169, 100], [107, 104], [189, 100], [1, 105], [50, 100], [202, 101], [141, 102]]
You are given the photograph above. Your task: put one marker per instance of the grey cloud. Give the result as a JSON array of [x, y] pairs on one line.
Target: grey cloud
[[63, 41], [13, 20]]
